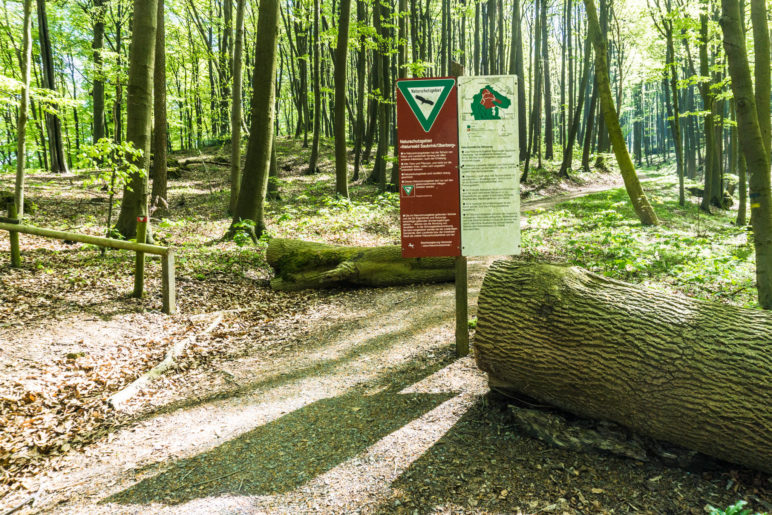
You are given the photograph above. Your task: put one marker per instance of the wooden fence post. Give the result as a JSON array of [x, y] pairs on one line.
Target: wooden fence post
[[15, 250], [139, 266], [168, 283]]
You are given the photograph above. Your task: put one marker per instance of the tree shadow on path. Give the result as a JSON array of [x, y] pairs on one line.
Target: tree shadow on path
[[283, 454]]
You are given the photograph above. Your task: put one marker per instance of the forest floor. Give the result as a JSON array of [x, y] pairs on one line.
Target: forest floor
[[347, 400]]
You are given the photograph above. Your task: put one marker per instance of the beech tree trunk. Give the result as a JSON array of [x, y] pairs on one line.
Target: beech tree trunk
[[753, 140], [341, 52], [139, 112], [303, 264], [53, 122], [159, 193], [21, 125], [690, 372], [236, 73], [640, 203], [99, 82], [254, 181]]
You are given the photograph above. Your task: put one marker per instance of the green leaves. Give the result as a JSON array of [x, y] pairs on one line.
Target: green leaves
[[119, 158]]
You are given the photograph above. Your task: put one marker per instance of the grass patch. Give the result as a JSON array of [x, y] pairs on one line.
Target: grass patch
[[701, 255]]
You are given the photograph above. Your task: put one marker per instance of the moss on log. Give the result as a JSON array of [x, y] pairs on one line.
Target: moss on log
[[694, 373], [303, 264]]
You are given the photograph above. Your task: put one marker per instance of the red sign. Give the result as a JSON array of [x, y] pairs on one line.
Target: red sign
[[427, 139]]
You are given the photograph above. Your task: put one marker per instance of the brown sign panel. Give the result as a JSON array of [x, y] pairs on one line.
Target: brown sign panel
[[427, 139]]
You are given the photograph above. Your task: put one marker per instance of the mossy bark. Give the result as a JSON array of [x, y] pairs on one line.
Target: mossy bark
[[690, 372], [303, 264]]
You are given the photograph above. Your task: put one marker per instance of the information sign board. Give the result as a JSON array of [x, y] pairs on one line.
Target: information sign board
[[488, 165], [427, 139]]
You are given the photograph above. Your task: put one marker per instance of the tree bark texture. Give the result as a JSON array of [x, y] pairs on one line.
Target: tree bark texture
[[53, 123], [638, 198], [303, 264], [99, 82], [139, 111], [753, 145], [236, 107], [21, 126], [313, 166], [254, 183], [691, 372], [341, 53], [159, 193]]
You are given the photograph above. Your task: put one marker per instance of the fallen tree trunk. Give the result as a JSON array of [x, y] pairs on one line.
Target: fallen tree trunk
[[303, 264], [185, 162], [690, 372]]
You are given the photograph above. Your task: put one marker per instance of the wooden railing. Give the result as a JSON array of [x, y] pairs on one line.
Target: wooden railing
[[167, 254]]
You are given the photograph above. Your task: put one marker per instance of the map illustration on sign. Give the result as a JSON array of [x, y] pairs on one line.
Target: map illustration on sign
[[426, 98], [488, 165], [486, 104]]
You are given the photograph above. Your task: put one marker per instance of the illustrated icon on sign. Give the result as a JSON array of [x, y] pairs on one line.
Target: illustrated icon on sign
[[408, 189]]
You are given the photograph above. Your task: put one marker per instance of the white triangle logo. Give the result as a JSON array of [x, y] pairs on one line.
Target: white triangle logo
[[425, 97]]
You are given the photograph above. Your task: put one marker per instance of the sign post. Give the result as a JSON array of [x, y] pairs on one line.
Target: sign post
[[447, 125]]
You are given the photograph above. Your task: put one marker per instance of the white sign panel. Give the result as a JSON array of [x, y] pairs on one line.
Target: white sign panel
[[488, 165]]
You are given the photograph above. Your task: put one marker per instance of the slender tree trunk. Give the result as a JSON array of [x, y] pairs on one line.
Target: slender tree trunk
[[359, 128], [671, 100], [159, 197], [236, 108], [633, 186], [477, 57], [313, 163], [501, 47], [381, 71], [53, 122], [549, 134], [516, 68], [753, 141], [341, 53], [568, 152], [638, 124], [591, 108], [602, 132], [254, 183], [761, 70], [707, 106], [99, 82], [21, 124], [139, 112], [118, 103]]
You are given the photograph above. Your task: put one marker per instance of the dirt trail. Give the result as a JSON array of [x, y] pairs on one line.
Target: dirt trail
[[367, 411]]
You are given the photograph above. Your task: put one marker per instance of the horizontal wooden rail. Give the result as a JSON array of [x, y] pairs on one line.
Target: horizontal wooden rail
[[167, 254], [85, 238]]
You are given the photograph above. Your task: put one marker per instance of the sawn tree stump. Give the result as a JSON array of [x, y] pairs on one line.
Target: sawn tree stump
[[690, 372], [303, 264]]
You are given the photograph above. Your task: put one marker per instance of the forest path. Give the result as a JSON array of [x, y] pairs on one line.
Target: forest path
[[367, 410]]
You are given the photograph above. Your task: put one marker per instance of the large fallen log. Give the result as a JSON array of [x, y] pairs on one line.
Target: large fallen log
[[694, 373], [303, 264]]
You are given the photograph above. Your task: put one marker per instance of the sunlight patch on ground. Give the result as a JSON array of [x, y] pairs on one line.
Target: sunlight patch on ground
[[364, 480]]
